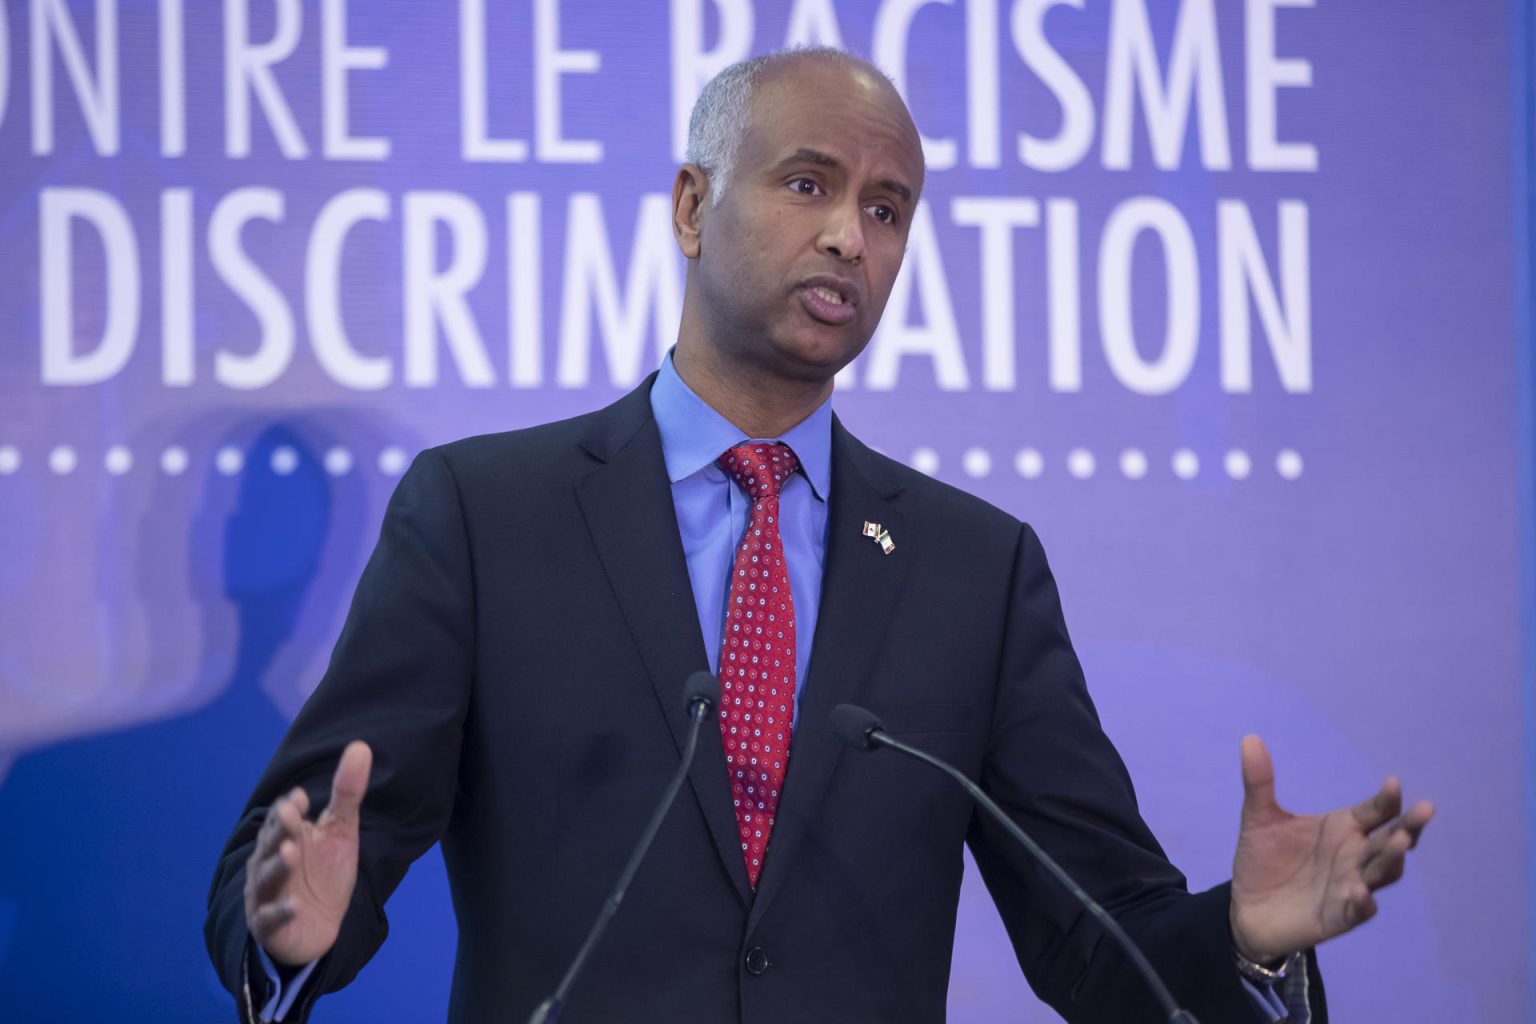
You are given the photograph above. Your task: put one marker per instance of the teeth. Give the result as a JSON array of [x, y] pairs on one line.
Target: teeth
[[828, 294]]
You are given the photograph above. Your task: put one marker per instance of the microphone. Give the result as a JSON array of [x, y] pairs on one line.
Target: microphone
[[701, 691], [862, 730]]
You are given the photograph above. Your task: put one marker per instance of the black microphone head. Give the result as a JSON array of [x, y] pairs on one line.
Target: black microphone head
[[701, 687], [855, 726]]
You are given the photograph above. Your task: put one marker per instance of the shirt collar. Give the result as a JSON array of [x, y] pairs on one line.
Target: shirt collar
[[694, 435]]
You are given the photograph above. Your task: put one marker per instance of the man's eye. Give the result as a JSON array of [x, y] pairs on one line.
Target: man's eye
[[806, 187], [882, 213]]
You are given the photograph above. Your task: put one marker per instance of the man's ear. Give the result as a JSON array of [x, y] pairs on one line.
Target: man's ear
[[690, 193]]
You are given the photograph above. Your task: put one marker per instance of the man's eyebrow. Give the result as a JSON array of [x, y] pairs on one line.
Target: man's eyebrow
[[810, 156], [820, 159]]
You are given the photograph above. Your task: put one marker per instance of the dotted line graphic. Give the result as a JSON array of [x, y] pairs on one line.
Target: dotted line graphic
[[1131, 463], [976, 463], [174, 460]]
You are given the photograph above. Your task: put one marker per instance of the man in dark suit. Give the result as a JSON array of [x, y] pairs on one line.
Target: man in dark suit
[[509, 680]]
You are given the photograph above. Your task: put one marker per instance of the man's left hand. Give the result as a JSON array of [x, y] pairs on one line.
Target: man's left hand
[[1300, 879]]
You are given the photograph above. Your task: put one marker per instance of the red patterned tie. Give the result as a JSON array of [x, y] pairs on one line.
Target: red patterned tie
[[757, 652]]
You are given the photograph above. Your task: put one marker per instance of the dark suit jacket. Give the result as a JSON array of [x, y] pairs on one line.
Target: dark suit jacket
[[515, 655]]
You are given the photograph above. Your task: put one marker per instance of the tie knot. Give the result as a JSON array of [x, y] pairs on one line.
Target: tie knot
[[760, 467]]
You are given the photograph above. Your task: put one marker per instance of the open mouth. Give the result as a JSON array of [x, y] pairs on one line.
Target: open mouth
[[828, 301]]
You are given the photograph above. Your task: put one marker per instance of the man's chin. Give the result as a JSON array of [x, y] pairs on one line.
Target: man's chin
[[822, 356], [815, 370]]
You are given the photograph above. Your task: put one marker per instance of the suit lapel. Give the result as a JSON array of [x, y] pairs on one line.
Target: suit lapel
[[627, 503], [858, 590]]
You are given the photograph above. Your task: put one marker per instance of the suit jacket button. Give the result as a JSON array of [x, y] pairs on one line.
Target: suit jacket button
[[757, 961]]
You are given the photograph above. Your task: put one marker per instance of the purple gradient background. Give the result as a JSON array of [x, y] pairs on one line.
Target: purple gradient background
[[1365, 618]]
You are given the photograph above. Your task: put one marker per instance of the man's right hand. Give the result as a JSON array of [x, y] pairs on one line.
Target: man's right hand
[[299, 879]]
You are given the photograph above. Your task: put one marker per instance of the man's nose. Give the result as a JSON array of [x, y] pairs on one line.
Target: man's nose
[[842, 236]]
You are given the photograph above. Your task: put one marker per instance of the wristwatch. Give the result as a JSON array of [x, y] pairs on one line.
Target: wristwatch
[[1261, 975]]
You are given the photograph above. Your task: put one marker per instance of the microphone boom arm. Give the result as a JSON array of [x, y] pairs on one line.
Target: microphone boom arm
[[549, 1011], [877, 736]]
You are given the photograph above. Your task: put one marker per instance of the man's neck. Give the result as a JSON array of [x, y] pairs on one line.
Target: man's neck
[[758, 404]]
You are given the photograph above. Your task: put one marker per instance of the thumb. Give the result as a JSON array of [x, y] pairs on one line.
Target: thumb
[[1258, 778], [349, 784]]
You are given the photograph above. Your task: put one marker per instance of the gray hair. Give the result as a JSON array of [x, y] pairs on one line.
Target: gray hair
[[723, 110]]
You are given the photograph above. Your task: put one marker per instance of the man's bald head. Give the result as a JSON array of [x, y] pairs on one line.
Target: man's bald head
[[722, 115]]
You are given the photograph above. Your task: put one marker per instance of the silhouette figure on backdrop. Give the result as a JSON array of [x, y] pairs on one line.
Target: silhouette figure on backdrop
[[108, 837]]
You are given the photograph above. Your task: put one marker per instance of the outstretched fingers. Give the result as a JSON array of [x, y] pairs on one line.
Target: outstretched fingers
[[1381, 808], [1387, 849], [1417, 816], [1383, 862], [283, 821], [272, 874], [271, 860], [267, 903]]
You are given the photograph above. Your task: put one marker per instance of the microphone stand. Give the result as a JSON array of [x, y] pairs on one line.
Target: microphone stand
[[699, 708], [870, 734]]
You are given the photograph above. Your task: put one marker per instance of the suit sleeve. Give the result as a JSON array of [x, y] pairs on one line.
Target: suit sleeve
[[1052, 768], [399, 678]]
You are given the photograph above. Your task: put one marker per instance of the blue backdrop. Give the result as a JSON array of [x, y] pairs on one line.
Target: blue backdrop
[[1230, 298]]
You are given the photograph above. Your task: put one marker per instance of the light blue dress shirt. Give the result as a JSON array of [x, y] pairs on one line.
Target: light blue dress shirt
[[713, 511]]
